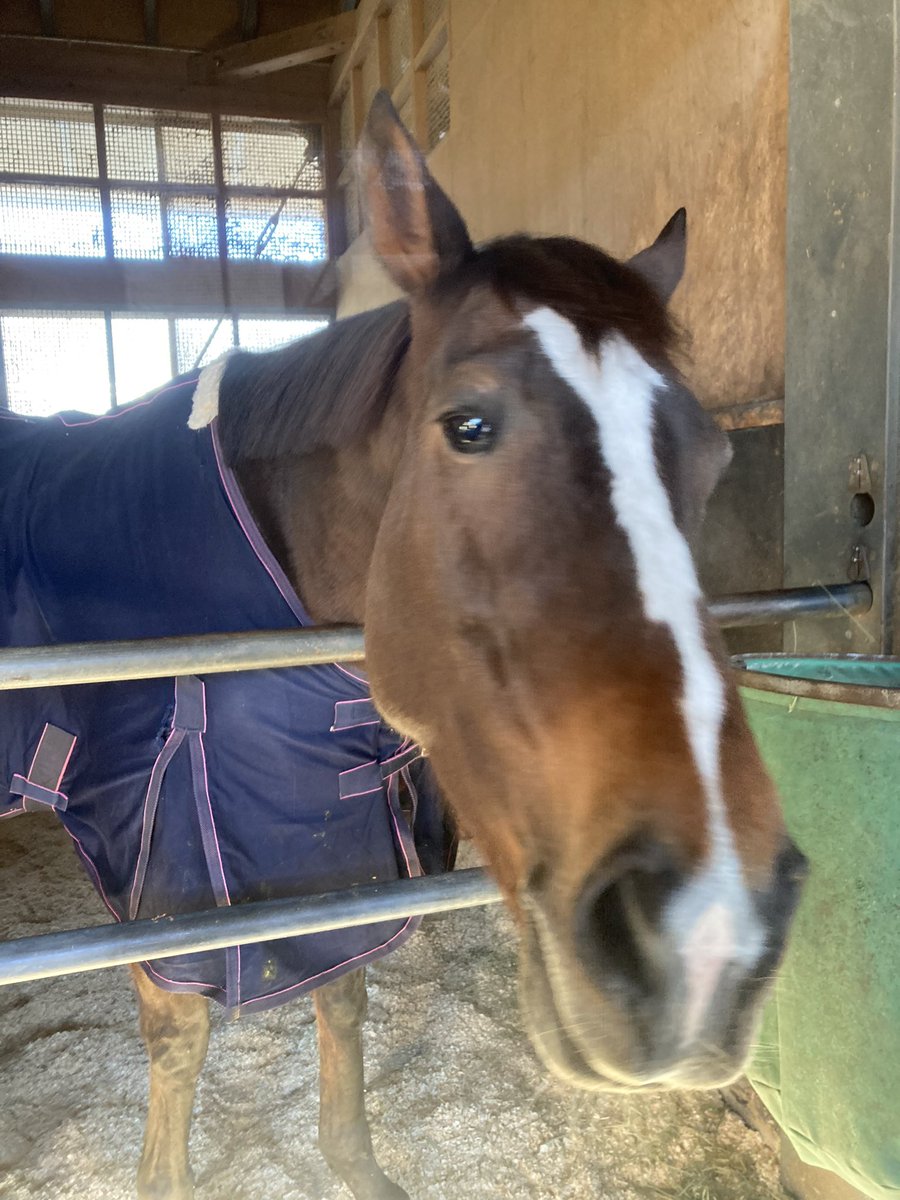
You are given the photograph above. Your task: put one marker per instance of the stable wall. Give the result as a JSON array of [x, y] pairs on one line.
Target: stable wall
[[598, 119]]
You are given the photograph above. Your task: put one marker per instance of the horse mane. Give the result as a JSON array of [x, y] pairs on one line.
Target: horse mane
[[321, 392], [331, 388]]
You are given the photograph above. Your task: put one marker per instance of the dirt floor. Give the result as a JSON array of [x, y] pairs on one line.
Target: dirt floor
[[460, 1108]]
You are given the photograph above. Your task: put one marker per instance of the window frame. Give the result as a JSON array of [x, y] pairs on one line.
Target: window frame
[[230, 288]]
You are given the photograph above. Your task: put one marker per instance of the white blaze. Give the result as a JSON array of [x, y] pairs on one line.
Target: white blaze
[[712, 918]]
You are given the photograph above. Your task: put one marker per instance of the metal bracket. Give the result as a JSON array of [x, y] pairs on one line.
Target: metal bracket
[[858, 568], [860, 477], [859, 484]]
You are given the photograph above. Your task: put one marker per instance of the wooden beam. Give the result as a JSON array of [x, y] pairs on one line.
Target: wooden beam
[[752, 415], [335, 211], [151, 76], [383, 50], [367, 12], [290, 48], [176, 287], [151, 23], [431, 46], [249, 19], [48, 24]]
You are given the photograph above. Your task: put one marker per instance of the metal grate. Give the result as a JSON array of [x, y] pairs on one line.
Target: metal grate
[[159, 147], [59, 360], [192, 226], [176, 225], [175, 185], [400, 41], [54, 361], [142, 355], [267, 333], [44, 137], [433, 11], [437, 98], [272, 154], [51, 220], [163, 195], [137, 225], [191, 335], [295, 234]]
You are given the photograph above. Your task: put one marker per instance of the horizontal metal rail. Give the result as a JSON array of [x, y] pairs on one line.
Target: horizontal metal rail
[[104, 946], [772, 608], [159, 658], [52, 954], [100, 662]]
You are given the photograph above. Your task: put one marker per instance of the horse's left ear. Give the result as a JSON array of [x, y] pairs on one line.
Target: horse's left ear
[[416, 230], [662, 264]]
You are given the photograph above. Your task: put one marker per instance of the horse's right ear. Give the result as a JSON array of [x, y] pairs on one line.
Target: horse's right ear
[[416, 231]]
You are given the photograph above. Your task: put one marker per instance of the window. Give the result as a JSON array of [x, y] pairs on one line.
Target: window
[[90, 361], [187, 225]]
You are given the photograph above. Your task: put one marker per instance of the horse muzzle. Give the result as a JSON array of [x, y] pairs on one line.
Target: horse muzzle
[[623, 993]]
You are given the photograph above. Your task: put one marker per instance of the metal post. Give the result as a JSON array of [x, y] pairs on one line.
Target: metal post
[[841, 396], [104, 946]]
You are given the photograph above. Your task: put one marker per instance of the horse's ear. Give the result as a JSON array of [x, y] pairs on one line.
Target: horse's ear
[[416, 231], [662, 264]]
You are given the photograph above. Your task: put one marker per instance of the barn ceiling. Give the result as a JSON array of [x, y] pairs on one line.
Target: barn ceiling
[[210, 25]]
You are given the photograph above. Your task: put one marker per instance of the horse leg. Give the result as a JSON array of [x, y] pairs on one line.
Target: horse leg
[[344, 1137], [175, 1028]]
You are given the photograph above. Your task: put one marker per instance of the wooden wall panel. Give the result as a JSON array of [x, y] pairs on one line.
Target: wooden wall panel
[[598, 119]]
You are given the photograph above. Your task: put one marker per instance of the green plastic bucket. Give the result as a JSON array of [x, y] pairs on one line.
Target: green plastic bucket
[[827, 1064]]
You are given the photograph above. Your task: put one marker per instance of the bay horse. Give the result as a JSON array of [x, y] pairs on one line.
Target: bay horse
[[502, 477]]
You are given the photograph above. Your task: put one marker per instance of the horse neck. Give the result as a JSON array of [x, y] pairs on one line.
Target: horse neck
[[320, 514]]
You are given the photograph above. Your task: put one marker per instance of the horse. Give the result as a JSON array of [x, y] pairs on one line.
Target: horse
[[503, 478]]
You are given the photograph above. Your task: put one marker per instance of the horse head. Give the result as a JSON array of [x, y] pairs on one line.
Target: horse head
[[533, 617]]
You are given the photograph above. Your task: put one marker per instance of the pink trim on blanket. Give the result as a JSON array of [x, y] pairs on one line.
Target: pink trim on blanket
[[126, 408], [251, 532]]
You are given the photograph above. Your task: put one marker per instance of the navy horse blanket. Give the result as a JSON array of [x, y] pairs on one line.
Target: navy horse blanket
[[184, 794]]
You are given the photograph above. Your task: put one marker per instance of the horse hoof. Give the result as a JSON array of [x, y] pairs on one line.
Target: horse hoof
[[367, 1182], [389, 1191], [382, 1189], [165, 1189]]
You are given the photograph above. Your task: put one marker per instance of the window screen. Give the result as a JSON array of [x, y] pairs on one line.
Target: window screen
[[54, 219], [172, 185], [55, 360], [148, 186], [60, 360]]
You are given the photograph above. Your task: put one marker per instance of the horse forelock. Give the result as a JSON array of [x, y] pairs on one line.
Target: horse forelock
[[593, 291]]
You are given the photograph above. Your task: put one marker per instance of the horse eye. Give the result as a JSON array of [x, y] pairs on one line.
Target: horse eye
[[469, 434]]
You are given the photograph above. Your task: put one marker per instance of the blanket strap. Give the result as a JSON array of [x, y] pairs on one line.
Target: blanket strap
[[51, 758], [188, 727]]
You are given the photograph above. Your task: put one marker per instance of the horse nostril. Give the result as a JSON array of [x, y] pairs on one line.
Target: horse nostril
[[619, 917]]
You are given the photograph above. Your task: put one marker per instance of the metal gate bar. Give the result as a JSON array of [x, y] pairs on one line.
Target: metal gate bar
[[164, 937], [771, 608], [100, 662], [53, 954]]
